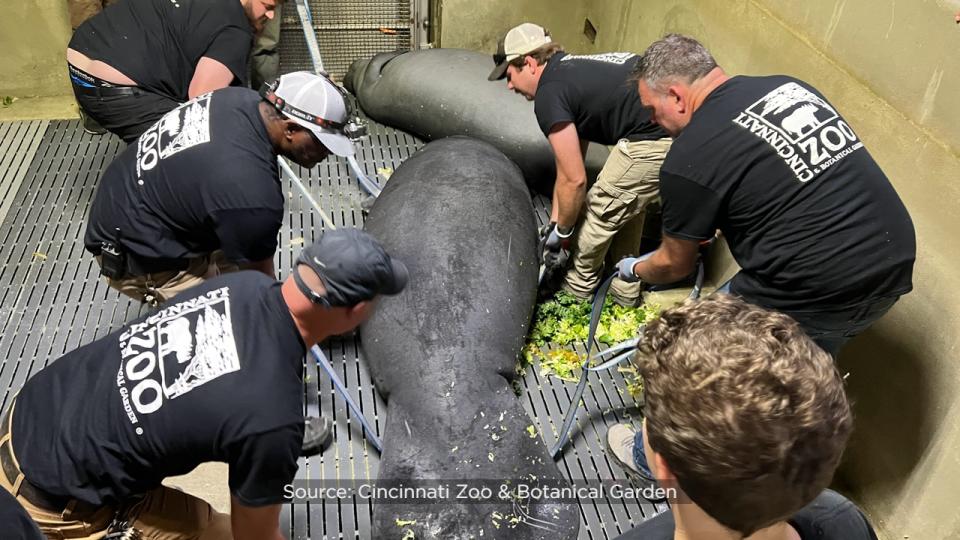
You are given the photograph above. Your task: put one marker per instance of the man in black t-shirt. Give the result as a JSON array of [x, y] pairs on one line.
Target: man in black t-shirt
[[746, 419], [579, 99], [215, 376], [138, 59], [815, 225], [199, 193]]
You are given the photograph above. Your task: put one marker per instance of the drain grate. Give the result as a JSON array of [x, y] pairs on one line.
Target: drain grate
[[52, 301]]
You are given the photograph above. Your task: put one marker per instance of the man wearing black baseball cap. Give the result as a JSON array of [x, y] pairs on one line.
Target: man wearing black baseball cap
[[213, 376]]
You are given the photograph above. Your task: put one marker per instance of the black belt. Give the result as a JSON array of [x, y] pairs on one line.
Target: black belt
[[107, 91], [95, 86], [141, 266], [33, 494]]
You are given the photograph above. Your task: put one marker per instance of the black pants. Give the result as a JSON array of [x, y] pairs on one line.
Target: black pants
[[126, 116]]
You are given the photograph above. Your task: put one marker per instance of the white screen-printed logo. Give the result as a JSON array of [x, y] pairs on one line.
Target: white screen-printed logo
[[618, 58], [175, 351], [804, 130], [184, 127]]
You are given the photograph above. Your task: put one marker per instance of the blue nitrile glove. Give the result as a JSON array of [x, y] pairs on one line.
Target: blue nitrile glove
[[625, 267]]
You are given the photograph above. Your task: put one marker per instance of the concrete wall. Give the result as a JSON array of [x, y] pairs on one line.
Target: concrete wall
[[467, 24], [33, 38]]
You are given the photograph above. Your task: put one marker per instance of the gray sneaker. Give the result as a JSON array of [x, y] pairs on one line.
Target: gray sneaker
[[620, 442]]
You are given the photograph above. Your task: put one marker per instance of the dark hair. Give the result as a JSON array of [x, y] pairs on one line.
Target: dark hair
[[747, 411], [541, 54]]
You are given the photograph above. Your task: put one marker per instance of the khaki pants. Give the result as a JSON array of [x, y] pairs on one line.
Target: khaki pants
[[81, 10], [612, 222], [161, 514], [159, 287]]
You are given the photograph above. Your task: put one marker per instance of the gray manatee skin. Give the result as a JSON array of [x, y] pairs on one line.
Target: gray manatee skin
[[436, 93], [443, 352]]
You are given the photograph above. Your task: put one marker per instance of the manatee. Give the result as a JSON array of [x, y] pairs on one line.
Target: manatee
[[443, 353], [436, 93]]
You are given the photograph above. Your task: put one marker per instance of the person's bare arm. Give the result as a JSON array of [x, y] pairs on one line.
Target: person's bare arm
[[254, 523], [570, 187], [671, 262], [210, 75], [265, 266]]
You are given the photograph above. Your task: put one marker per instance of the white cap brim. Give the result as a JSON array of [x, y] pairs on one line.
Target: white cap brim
[[337, 143]]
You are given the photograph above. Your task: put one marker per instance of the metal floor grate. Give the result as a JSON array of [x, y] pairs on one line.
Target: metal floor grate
[[52, 301]]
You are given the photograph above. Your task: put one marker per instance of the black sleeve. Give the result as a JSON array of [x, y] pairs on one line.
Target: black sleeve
[[231, 47], [552, 106], [16, 523], [689, 209], [263, 464], [247, 234]]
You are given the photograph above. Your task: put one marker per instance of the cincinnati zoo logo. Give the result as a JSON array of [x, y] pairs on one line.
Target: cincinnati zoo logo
[[802, 128], [180, 129], [175, 351]]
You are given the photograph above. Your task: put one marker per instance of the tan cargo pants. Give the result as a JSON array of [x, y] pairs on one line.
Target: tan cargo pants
[[162, 514], [81, 10], [159, 287], [611, 224]]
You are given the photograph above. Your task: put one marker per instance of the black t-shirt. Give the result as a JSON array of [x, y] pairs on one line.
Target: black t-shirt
[[202, 178], [829, 517], [15, 522], [215, 376], [158, 43], [596, 94], [809, 216]]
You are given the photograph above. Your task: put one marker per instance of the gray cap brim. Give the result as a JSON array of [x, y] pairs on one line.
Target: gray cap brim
[[499, 72]]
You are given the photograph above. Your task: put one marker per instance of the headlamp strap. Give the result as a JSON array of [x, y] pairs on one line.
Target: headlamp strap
[[269, 94]]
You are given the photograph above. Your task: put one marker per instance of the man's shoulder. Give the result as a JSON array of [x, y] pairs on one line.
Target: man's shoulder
[[832, 516]]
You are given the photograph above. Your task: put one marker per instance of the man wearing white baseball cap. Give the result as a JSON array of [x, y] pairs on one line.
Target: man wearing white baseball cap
[[198, 195], [578, 99]]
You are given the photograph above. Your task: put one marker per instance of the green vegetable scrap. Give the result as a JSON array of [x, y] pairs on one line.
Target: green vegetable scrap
[[565, 319], [634, 381], [7, 101]]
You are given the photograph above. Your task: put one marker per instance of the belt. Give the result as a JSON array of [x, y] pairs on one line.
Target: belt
[[141, 266], [33, 494], [87, 84], [107, 91]]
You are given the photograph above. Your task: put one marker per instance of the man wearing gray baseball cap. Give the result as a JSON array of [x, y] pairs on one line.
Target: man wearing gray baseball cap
[[215, 375]]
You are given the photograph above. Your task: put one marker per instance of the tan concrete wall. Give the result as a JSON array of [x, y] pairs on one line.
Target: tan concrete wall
[[33, 38], [468, 24], [887, 66]]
